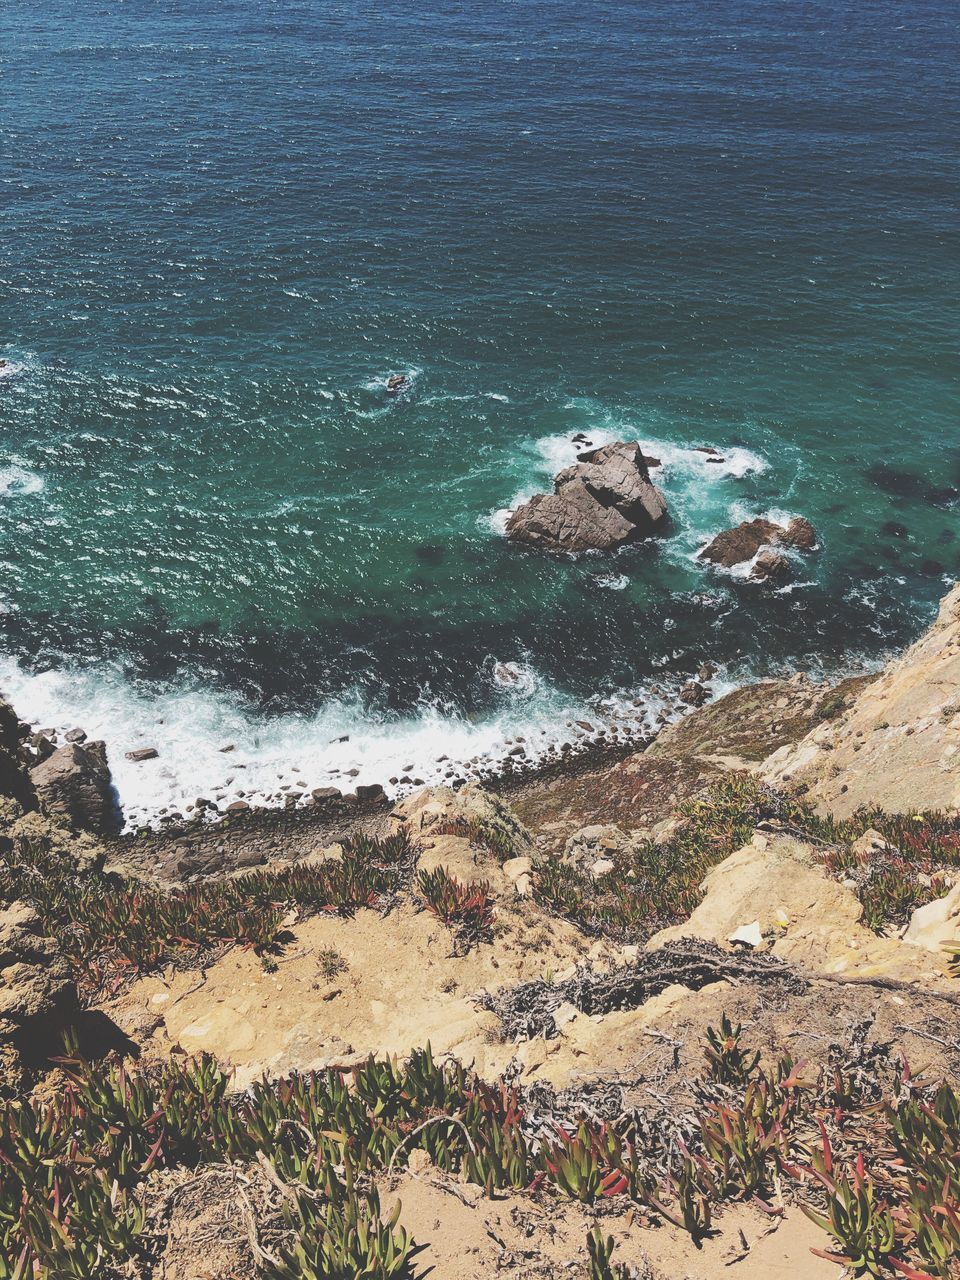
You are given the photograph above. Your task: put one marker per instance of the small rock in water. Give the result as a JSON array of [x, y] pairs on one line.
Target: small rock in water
[[143, 753], [229, 747], [396, 382], [772, 567], [75, 735]]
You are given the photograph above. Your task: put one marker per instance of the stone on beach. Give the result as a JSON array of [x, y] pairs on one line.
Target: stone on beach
[[605, 500]]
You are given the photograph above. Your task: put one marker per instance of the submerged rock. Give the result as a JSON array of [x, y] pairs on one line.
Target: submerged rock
[[75, 784], [605, 500]]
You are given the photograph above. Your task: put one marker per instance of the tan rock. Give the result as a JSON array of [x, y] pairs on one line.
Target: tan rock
[[898, 743], [440, 806], [37, 994], [514, 868], [823, 933], [937, 924]]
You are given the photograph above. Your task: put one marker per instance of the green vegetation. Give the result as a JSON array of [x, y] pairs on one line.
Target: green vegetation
[[109, 928], [467, 907], [655, 885], [487, 835], [881, 1179]]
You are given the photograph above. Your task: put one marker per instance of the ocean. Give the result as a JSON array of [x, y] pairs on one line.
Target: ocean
[[225, 224]]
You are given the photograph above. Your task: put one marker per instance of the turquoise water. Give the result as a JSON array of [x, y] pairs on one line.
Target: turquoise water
[[225, 224]]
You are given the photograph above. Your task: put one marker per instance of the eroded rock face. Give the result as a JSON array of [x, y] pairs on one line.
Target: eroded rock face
[[737, 546], [14, 778], [605, 500], [74, 784], [898, 741], [37, 995]]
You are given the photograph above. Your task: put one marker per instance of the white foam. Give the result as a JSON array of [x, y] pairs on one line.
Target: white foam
[[341, 745], [379, 383], [696, 488], [739, 512], [17, 480], [612, 581]]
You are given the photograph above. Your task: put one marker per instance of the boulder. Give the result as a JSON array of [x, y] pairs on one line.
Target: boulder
[[605, 500], [772, 567], [435, 809], [736, 546], [800, 534], [74, 784], [937, 924], [139, 754], [370, 796], [38, 998], [693, 694]]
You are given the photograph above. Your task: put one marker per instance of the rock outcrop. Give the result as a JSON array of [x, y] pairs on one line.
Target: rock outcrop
[[739, 545], [605, 500], [74, 784], [471, 808], [750, 723], [37, 993], [898, 743], [14, 760], [804, 916]]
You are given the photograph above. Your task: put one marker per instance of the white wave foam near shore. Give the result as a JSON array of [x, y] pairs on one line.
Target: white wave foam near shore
[[341, 745]]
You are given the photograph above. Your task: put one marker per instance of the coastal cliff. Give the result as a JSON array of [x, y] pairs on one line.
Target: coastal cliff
[[644, 998]]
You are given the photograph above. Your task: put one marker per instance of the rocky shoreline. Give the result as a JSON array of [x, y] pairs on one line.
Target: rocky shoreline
[[74, 787], [577, 934], [72, 773]]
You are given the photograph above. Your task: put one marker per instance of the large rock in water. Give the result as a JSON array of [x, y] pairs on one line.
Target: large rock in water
[[603, 501], [736, 546], [74, 784]]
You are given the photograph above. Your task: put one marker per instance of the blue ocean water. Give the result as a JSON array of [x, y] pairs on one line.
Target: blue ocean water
[[225, 223]]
